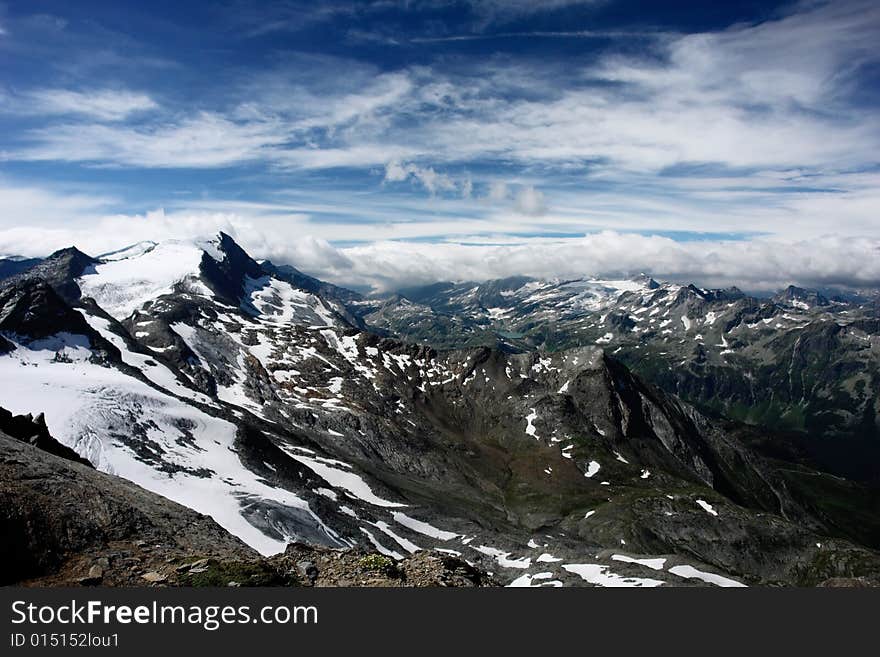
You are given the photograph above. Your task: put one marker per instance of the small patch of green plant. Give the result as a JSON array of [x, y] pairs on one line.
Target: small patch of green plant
[[378, 563]]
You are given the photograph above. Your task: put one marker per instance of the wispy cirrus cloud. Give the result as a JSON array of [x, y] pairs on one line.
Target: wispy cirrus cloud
[[101, 104], [503, 10], [257, 19], [203, 140], [751, 96], [547, 34]]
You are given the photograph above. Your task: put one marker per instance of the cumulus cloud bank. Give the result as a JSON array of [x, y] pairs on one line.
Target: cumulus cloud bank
[[760, 264], [756, 264]]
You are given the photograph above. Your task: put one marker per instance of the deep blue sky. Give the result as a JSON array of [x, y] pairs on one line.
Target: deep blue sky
[[588, 136]]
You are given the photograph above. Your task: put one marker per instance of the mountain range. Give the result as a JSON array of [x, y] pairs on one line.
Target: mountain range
[[545, 433]]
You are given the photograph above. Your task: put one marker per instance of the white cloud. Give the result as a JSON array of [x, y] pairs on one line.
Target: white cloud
[[467, 187], [396, 172], [364, 155], [769, 96], [29, 206], [497, 191], [204, 140], [106, 104], [426, 176], [530, 201], [758, 264], [500, 11]]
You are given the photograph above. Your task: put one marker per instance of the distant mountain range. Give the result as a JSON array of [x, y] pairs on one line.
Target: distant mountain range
[[612, 433], [796, 362]]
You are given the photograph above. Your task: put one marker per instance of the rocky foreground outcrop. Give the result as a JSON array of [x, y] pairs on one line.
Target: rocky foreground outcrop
[[64, 523]]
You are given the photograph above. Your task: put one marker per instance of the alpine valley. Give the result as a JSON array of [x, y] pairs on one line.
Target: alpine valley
[[517, 432]]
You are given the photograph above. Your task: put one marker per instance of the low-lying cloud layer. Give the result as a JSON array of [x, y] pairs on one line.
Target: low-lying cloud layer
[[755, 264]]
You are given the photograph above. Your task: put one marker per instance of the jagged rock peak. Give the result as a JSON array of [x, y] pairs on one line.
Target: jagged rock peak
[[60, 270], [226, 268], [803, 295], [646, 280], [33, 431]]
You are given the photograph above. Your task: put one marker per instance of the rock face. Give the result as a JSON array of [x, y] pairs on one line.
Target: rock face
[[244, 392], [33, 308], [12, 266], [60, 270], [52, 509]]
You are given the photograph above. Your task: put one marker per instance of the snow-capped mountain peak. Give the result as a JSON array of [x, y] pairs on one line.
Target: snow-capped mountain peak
[[137, 275]]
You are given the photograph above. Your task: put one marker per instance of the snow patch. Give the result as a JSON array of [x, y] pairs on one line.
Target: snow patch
[[689, 572], [707, 507], [422, 527], [654, 564], [349, 481], [599, 575]]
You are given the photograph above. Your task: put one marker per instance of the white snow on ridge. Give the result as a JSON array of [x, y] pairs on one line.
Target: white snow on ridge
[[525, 581], [212, 248], [381, 548], [546, 557], [234, 393], [125, 283], [278, 301], [131, 251], [407, 545], [592, 468], [599, 290], [189, 335]]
